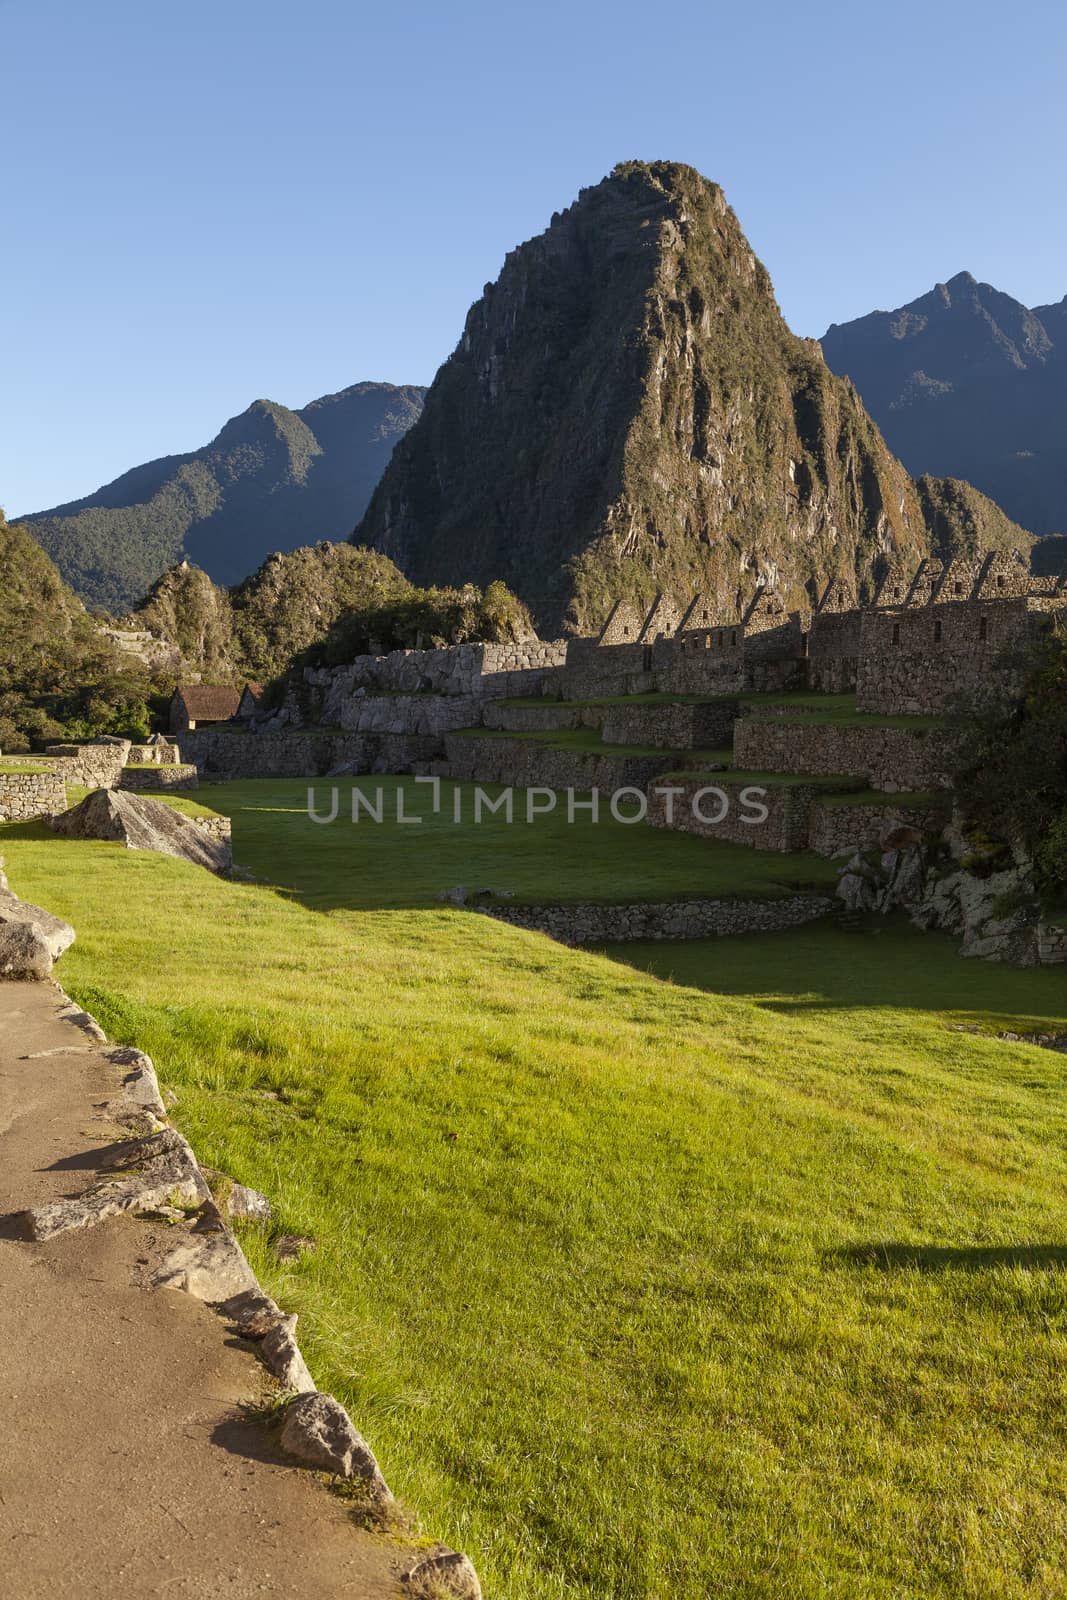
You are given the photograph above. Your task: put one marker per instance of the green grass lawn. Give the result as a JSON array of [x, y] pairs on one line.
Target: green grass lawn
[[27, 769], [546, 861], [750, 1284]]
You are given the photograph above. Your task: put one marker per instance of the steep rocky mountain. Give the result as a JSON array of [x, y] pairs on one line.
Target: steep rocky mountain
[[627, 411], [968, 382], [273, 479]]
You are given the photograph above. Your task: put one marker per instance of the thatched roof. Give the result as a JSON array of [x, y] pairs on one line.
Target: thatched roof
[[206, 702]]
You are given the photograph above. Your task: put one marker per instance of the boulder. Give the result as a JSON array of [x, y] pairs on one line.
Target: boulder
[[445, 1574], [318, 1430], [31, 939], [142, 824]]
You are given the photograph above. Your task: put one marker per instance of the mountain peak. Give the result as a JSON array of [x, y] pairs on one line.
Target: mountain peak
[[626, 412]]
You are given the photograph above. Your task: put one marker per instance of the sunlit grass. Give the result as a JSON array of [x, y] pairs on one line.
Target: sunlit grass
[[638, 1289]]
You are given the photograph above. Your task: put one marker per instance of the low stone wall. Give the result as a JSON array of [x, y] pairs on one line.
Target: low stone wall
[[533, 719], [220, 828], [1051, 944], [786, 825], [155, 755], [681, 726], [153, 779], [525, 764], [687, 919], [24, 795], [421, 714], [223, 753], [93, 766], [843, 827], [888, 758]]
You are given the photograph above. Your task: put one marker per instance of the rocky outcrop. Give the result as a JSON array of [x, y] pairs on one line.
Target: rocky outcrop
[[627, 412], [143, 824], [990, 905], [30, 939]]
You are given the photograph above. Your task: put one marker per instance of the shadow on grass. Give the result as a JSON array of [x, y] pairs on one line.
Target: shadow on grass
[[950, 1258]]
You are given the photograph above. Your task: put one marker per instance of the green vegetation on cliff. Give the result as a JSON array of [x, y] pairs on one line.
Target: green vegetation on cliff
[[321, 604], [1013, 760], [627, 411], [271, 480], [60, 676]]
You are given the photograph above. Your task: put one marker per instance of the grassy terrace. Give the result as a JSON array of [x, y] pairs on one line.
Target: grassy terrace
[[925, 798], [546, 861], [27, 769], [750, 1283]]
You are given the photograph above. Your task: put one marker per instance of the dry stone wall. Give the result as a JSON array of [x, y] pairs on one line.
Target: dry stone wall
[[839, 827], [688, 919], [153, 779], [24, 795], [222, 753], [888, 758], [714, 806], [526, 764], [93, 766]]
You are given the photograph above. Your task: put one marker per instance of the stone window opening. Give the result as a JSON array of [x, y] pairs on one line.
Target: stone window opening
[[937, 632], [957, 588], [983, 628], [733, 638], [1000, 580], [896, 633]]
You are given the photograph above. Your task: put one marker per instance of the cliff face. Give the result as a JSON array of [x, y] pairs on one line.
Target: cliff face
[[272, 479], [627, 411], [967, 381]]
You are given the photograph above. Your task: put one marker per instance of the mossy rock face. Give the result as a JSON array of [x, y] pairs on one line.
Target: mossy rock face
[[627, 412]]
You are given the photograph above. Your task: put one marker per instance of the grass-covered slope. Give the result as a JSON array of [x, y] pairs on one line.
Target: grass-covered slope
[[637, 1289], [627, 411], [272, 479]]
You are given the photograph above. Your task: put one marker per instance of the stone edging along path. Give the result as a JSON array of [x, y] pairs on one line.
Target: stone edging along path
[[156, 1170]]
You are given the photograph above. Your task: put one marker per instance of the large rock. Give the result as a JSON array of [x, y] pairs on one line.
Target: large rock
[[31, 939], [142, 824], [317, 1429], [447, 1574]]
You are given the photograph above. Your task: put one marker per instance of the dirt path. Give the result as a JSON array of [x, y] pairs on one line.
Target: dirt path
[[125, 1465]]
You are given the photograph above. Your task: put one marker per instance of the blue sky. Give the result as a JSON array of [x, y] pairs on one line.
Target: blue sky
[[205, 203]]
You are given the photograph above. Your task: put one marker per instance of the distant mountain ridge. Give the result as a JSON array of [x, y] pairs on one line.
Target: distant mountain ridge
[[967, 382], [272, 479], [627, 411]]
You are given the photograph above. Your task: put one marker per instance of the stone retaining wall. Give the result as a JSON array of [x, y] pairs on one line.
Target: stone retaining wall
[[422, 714], [533, 719], [786, 826], [682, 726], [523, 764], [888, 758], [843, 827], [1051, 944], [687, 919], [93, 766], [152, 779], [223, 753], [30, 794]]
